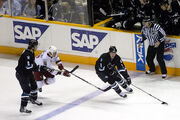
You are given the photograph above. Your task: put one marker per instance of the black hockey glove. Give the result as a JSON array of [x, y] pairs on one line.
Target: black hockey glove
[[45, 69]]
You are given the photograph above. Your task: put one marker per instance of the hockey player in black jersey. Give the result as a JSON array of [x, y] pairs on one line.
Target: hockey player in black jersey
[[106, 70], [24, 74]]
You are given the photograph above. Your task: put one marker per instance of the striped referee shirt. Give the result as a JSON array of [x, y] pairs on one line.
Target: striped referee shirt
[[154, 34]]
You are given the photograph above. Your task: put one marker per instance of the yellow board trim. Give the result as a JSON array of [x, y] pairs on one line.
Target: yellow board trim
[[83, 59]]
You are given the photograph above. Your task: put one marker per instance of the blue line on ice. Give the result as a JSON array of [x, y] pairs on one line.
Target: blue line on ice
[[70, 105]]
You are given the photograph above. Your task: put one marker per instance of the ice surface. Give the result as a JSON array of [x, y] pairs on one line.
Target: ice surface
[[73, 99]]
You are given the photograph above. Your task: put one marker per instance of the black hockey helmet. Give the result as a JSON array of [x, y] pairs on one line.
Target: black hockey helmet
[[32, 43], [147, 19], [112, 49]]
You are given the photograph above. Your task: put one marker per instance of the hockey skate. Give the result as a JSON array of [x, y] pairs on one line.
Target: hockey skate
[[36, 102], [40, 89], [122, 95], [164, 76], [148, 72], [129, 89], [24, 110]]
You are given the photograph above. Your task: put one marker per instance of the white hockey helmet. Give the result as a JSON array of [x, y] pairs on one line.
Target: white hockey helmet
[[52, 51]]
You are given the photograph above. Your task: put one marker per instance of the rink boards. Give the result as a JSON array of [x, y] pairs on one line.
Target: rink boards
[[81, 43]]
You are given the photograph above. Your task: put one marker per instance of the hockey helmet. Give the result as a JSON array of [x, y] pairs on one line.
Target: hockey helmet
[[32, 43], [52, 50], [147, 19], [113, 49]]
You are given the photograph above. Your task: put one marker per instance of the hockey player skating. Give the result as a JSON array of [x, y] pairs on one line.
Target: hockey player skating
[[46, 58], [106, 71], [24, 74]]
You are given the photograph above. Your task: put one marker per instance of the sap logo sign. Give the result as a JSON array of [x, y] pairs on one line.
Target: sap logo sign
[[85, 41], [23, 31]]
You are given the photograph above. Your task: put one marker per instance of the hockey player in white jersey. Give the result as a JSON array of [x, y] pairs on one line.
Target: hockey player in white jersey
[[46, 58]]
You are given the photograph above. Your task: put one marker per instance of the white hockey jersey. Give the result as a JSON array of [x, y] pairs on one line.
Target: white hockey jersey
[[44, 57]]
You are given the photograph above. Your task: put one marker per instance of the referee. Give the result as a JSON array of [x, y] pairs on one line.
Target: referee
[[156, 36]]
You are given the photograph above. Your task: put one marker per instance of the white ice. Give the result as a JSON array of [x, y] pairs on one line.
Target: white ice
[[63, 95]]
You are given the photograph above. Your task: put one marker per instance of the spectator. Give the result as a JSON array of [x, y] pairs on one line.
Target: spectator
[[125, 13], [175, 5], [31, 9], [169, 18], [42, 10], [97, 4], [16, 8], [81, 8], [134, 12], [2, 9], [23, 3]]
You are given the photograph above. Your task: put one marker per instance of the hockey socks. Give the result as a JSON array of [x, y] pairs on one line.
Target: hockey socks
[[118, 90], [33, 98]]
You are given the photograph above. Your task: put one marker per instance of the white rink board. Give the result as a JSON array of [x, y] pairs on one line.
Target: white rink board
[[61, 37]]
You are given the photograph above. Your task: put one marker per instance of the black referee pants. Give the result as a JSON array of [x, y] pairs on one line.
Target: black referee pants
[[151, 53]]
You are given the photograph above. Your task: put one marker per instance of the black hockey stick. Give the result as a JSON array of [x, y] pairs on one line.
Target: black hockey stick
[[104, 90], [76, 67], [162, 102], [50, 70]]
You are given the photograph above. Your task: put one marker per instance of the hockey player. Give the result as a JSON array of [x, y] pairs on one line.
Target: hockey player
[[106, 71], [46, 58], [24, 74]]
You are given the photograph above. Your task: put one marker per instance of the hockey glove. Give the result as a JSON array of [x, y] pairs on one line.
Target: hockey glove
[[66, 73], [60, 66], [44, 69]]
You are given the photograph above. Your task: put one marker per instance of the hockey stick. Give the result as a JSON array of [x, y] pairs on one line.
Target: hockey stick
[[76, 67], [111, 15], [162, 102], [50, 70], [104, 90]]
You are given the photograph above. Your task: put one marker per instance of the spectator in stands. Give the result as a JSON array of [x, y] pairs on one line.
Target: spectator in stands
[[165, 19], [156, 6], [103, 4], [58, 11], [123, 11], [65, 12], [23, 3], [51, 5], [135, 11], [175, 6], [42, 11], [16, 8], [2, 9], [169, 18], [81, 9], [31, 9]]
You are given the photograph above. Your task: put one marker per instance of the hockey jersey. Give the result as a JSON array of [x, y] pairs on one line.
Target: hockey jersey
[[45, 58]]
